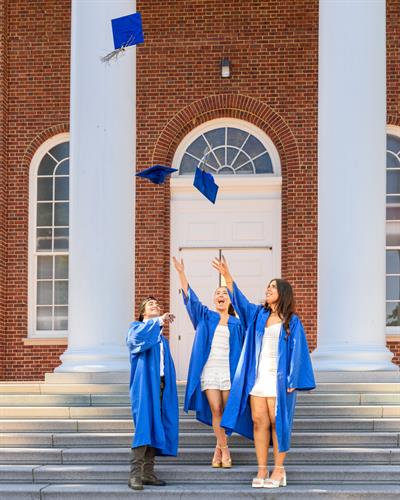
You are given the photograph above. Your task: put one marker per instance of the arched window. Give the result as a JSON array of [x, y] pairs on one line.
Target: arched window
[[228, 147], [393, 230], [49, 241]]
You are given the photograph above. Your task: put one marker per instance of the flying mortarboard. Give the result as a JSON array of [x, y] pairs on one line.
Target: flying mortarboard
[[127, 31], [205, 183], [157, 173]]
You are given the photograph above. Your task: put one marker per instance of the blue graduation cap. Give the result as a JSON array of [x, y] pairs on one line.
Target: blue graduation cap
[[205, 183], [127, 31], [157, 173]]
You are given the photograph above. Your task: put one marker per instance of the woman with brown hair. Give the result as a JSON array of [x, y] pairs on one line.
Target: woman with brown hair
[[274, 364], [215, 354]]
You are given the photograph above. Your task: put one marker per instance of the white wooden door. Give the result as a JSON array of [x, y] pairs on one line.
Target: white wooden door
[[246, 231]]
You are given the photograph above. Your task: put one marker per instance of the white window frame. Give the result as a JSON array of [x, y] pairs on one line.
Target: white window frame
[[392, 332], [33, 170], [234, 123]]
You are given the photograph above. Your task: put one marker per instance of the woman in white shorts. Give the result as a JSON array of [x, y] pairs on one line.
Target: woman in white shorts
[[215, 354]]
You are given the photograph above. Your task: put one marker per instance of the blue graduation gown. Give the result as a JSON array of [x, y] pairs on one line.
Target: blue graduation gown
[[205, 322], [294, 370], [156, 422]]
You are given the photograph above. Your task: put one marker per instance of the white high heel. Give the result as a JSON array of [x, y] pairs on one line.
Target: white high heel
[[276, 483], [258, 482]]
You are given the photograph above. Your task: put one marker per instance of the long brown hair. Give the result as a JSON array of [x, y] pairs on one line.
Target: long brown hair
[[142, 307], [286, 305]]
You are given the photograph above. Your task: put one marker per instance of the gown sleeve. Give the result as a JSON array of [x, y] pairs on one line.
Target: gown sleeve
[[242, 306], [142, 336], [196, 310], [300, 372]]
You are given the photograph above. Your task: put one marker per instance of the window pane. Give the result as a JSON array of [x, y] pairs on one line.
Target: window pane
[[393, 181], [393, 143], [236, 137], [61, 214], [247, 168], [44, 292], [393, 213], [45, 267], [44, 214], [62, 188], [393, 287], [46, 166], [45, 189], [188, 165], [392, 234], [43, 240], [253, 147], [393, 199], [198, 148], [211, 161], [393, 261], [226, 171], [61, 292], [240, 160], [216, 137], [263, 164], [220, 154], [43, 318], [61, 267], [392, 314], [61, 239], [63, 168], [60, 318], [392, 161], [61, 151], [231, 155]]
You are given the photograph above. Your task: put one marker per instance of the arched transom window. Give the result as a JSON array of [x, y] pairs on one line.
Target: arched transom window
[[227, 150], [51, 242]]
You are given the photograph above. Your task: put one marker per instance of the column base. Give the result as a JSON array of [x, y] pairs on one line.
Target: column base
[[104, 359], [353, 358]]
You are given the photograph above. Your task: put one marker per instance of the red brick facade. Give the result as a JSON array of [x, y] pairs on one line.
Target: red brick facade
[[274, 61]]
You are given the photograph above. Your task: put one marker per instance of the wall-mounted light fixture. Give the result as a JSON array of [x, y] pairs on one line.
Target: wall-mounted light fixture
[[225, 68]]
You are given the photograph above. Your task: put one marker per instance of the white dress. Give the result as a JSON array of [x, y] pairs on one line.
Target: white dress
[[265, 385], [216, 374]]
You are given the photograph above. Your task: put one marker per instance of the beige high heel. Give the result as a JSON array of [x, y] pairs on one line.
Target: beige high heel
[[258, 482], [216, 463], [276, 483], [228, 463]]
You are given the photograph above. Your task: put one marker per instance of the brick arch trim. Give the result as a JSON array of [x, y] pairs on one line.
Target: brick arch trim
[[230, 106], [393, 120], [40, 139]]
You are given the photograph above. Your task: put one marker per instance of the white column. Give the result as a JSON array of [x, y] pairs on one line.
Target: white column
[[102, 191], [351, 187]]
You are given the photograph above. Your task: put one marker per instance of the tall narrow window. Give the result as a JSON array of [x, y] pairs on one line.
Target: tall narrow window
[[393, 233], [51, 242]]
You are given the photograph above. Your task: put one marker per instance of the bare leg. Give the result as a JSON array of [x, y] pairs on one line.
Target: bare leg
[[226, 455], [279, 457], [215, 401], [261, 422]]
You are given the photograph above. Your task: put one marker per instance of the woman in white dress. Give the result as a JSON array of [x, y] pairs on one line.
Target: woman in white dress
[[215, 354]]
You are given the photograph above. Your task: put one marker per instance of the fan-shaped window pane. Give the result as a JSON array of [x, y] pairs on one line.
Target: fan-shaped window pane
[[47, 166], [227, 151], [60, 152]]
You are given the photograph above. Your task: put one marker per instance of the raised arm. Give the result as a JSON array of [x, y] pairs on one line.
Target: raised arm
[[222, 267], [142, 336], [180, 269]]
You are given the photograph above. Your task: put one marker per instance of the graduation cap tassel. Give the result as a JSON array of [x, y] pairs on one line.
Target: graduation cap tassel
[[115, 53], [127, 31]]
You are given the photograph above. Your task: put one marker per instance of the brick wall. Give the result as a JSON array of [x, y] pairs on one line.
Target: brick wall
[[38, 101], [274, 62], [3, 177]]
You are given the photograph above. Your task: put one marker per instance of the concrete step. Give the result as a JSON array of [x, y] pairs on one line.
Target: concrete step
[[187, 424], [201, 456], [221, 490], [194, 439], [8, 412], [194, 474]]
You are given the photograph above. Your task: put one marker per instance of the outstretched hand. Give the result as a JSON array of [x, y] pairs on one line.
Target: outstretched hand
[[179, 266], [221, 266], [168, 317]]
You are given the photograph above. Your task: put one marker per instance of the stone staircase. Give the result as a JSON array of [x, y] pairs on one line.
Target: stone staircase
[[69, 438]]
